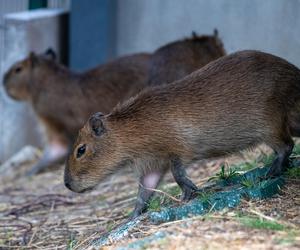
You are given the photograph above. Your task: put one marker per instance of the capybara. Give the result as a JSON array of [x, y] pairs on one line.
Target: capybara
[[180, 58], [233, 103], [63, 100]]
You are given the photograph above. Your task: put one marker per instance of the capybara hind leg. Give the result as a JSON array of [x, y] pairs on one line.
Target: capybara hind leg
[[295, 130], [53, 154], [294, 121], [188, 188], [282, 150], [148, 182]]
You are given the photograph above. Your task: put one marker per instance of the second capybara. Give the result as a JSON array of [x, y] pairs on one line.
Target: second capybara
[[231, 104], [175, 60], [63, 100]]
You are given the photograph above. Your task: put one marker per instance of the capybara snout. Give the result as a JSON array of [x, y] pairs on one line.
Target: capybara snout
[[16, 80], [67, 178], [77, 182], [79, 173]]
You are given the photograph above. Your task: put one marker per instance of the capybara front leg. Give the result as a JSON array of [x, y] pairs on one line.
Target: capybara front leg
[[53, 154], [188, 188], [148, 182]]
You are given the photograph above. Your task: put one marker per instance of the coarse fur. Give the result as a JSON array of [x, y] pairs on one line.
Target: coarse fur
[[63, 100], [175, 60], [231, 104]]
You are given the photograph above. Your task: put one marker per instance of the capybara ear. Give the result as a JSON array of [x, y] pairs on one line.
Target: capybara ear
[[50, 54], [32, 59], [216, 33], [96, 124], [194, 34]]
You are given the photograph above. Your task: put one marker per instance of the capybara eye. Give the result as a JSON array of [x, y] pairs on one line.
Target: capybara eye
[[80, 151], [18, 69]]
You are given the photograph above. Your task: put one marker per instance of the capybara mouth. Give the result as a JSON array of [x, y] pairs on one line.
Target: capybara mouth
[[85, 190], [12, 95]]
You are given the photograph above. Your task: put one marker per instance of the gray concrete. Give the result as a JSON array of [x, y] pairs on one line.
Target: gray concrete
[[268, 25], [24, 32]]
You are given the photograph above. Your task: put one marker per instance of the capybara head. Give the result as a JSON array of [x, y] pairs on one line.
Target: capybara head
[[94, 155], [212, 43], [18, 79]]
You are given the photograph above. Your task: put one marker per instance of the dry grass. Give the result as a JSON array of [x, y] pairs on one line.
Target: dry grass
[[40, 213]]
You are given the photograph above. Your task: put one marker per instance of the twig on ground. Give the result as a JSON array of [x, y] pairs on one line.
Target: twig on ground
[[164, 193]]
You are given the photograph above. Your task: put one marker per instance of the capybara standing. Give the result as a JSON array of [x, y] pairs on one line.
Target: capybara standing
[[180, 58], [63, 100], [231, 104]]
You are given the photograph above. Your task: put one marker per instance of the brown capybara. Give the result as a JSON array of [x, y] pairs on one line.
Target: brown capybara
[[180, 58], [231, 104], [63, 100]]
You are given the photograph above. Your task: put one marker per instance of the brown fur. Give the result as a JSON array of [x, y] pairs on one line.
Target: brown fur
[[178, 59], [63, 100], [231, 104]]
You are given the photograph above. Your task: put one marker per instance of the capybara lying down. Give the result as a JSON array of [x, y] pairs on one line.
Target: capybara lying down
[[63, 100], [231, 104], [180, 58]]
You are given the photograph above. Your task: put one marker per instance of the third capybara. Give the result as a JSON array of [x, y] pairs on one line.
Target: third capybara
[[175, 60]]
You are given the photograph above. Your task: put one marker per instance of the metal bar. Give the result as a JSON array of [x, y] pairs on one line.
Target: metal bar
[[37, 4]]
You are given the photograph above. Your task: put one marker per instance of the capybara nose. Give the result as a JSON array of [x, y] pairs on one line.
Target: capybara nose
[[67, 180], [68, 185], [5, 78], [5, 83]]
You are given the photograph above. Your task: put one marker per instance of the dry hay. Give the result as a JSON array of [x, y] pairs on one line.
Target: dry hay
[[40, 213]]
